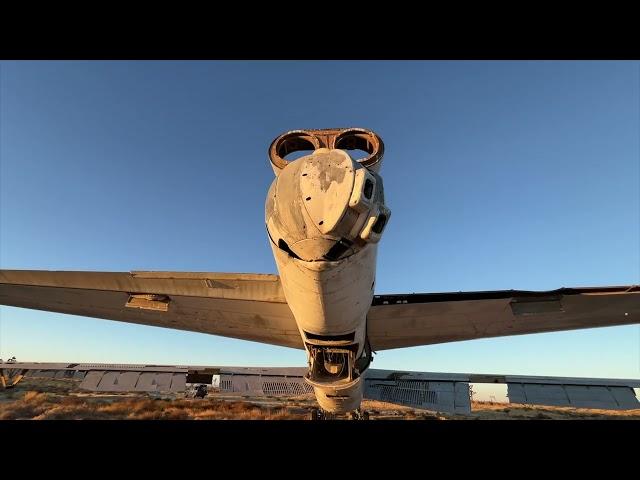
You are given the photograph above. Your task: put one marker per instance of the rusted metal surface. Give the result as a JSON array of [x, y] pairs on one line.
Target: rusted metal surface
[[331, 138]]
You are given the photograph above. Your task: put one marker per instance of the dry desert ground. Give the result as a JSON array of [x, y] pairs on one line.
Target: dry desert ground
[[40, 399]]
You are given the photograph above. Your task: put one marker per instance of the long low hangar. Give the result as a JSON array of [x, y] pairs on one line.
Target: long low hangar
[[442, 392]]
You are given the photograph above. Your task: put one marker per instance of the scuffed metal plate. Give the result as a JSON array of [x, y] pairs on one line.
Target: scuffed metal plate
[[127, 380], [436, 392], [451, 397], [246, 306], [178, 382], [396, 321], [163, 382], [259, 385], [147, 382], [111, 381], [91, 380]]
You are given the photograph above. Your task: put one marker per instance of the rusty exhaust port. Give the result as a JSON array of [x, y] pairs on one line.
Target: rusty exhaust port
[[290, 142], [339, 138], [365, 140]]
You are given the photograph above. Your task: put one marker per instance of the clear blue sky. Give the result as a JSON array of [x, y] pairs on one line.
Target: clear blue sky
[[499, 175]]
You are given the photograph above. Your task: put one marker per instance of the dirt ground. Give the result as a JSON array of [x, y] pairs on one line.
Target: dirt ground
[[61, 399]]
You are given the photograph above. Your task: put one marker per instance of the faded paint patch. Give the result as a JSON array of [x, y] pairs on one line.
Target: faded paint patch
[[335, 173]]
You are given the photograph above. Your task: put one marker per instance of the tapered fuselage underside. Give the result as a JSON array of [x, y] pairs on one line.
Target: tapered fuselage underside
[[325, 214]]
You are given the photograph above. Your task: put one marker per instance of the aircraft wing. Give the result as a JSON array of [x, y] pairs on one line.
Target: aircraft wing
[[238, 305], [253, 307], [410, 320]]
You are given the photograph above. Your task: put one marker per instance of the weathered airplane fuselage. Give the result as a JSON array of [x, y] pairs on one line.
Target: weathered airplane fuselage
[[325, 214]]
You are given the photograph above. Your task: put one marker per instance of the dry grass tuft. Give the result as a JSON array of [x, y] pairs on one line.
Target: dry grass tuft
[[53, 406], [34, 397]]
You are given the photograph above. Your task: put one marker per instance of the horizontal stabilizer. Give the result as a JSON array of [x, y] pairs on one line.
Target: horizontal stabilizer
[[397, 321], [237, 305]]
